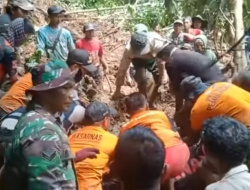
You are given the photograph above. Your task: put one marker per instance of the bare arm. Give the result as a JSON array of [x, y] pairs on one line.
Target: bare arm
[[103, 62], [40, 39], [123, 70], [71, 44], [189, 36], [86, 153]]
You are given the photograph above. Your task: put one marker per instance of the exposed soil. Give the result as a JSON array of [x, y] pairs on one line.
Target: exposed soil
[[114, 40]]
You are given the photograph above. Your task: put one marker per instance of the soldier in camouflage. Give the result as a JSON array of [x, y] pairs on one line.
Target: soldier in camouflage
[[39, 155]]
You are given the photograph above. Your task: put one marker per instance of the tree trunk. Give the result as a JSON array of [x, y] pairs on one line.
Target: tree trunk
[[239, 56]]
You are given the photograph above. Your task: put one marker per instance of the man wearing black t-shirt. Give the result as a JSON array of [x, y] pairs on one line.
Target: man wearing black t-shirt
[[183, 63], [179, 65]]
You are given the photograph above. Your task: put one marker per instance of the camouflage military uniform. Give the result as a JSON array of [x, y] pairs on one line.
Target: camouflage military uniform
[[40, 141], [39, 156], [178, 41]]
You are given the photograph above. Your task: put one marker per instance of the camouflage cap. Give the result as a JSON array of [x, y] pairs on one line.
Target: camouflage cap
[[23, 4], [49, 76]]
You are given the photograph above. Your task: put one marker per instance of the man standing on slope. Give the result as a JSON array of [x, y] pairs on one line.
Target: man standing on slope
[[141, 51], [52, 40]]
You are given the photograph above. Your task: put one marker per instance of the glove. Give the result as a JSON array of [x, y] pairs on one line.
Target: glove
[[86, 153]]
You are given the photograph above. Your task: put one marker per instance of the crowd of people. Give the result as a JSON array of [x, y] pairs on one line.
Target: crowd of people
[[51, 139]]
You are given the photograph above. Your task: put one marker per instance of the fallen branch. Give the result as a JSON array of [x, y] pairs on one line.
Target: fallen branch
[[120, 45], [222, 5], [70, 19], [113, 30], [42, 11], [104, 9]]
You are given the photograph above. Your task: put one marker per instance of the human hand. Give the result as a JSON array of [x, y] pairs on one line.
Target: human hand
[[207, 172], [164, 80], [105, 71], [43, 60], [85, 153], [14, 78], [117, 94], [130, 81]]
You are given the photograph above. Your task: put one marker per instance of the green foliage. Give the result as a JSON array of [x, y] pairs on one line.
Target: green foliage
[[33, 60], [150, 15], [89, 4], [246, 9], [36, 57], [165, 13], [210, 10]]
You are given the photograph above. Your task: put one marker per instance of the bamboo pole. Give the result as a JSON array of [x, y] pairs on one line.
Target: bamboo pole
[[105, 9]]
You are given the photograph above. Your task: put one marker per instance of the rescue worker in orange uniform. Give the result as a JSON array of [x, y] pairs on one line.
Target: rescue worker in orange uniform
[[94, 135], [177, 152], [221, 98]]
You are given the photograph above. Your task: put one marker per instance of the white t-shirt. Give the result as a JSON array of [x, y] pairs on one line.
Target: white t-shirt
[[237, 178]]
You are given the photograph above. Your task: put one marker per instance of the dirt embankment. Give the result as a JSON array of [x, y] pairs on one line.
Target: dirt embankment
[[113, 39]]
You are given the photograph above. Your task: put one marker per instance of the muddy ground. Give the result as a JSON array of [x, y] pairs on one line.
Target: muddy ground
[[114, 40]]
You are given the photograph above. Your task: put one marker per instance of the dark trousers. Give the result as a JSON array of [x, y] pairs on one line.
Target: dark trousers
[[2, 113], [97, 76], [2, 93], [178, 100], [141, 67], [182, 120]]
